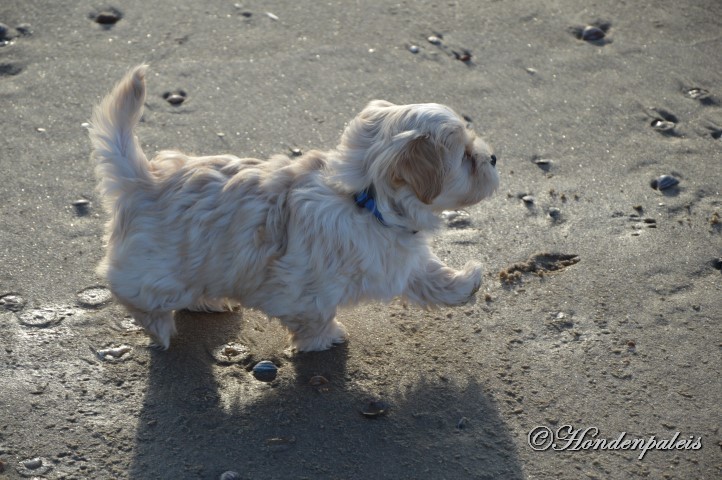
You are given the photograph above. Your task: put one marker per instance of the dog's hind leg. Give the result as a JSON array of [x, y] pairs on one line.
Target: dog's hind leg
[[213, 305]]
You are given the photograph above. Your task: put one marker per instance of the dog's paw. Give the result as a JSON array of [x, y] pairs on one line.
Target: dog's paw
[[466, 284], [329, 335]]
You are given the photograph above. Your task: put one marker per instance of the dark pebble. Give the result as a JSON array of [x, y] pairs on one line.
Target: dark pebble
[[108, 17], [663, 182], [590, 33], [717, 263], [82, 206], [24, 29], [175, 98], [265, 371], [4, 30]]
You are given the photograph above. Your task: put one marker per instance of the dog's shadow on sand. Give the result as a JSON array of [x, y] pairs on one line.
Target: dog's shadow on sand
[[200, 419]]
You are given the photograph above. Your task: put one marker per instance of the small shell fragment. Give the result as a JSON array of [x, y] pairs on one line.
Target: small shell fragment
[[272, 16], [697, 93], [528, 199], [662, 125], [34, 467], [317, 381], [114, 354], [434, 40], [375, 409], [664, 182], [232, 353], [12, 302], [230, 475], [265, 371], [414, 48]]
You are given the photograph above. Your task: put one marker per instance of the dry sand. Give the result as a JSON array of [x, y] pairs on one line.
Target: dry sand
[[602, 299]]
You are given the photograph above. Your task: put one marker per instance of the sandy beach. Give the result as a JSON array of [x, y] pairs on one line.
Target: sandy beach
[[599, 316]]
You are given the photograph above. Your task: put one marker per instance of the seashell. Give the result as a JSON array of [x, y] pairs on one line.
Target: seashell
[[434, 40], [39, 317], [265, 371], [231, 353], [664, 182], [697, 93], [230, 475], [317, 381], [375, 408], [272, 16], [414, 48], [528, 199], [296, 152], [114, 354], [93, 297], [542, 161], [590, 33], [34, 467], [662, 125]]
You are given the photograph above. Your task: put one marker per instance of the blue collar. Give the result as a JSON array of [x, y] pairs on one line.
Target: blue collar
[[366, 200]]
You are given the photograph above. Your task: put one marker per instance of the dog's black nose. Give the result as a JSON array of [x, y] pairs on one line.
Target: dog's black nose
[[493, 160]]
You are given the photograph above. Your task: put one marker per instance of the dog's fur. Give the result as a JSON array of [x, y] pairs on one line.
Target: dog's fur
[[286, 236]]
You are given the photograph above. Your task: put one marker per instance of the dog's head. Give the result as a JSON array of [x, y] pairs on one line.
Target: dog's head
[[418, 156]]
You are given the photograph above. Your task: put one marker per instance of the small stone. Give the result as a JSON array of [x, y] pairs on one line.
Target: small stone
[[40, 129], [82, 206], [175, 98], [555, 213], [528, 199], [93, 297], [434, 40], [296, 152], [12, 302], [590, 33], [110, 16], [664, 182], [265, 371], [230, 475], [414, 49], [542, 161], [461, 424], [24, 29]]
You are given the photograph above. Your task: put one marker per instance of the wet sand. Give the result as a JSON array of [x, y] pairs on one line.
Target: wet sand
[[600, 305]]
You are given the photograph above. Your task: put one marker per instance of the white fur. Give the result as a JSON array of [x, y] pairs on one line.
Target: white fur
[[285, 236]]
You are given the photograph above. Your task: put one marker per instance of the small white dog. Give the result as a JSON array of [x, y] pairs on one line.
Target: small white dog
[[295, 238]]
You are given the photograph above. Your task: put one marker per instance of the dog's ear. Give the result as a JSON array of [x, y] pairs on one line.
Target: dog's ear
[[419, 166]]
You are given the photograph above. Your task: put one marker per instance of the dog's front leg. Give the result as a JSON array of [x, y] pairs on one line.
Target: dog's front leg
[[438, 284]]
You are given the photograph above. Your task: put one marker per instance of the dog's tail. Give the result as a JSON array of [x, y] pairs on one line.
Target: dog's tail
[[121, 164]]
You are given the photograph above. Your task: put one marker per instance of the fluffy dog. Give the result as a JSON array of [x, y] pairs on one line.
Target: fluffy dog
[[294, 238]]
